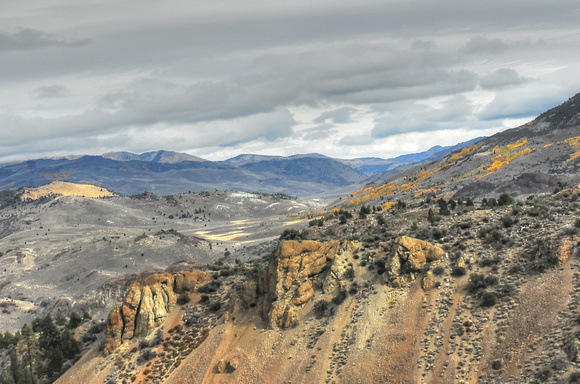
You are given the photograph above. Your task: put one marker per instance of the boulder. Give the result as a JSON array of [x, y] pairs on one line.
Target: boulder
[[429, 281], [414, 253], [145, 320], [187, 281]]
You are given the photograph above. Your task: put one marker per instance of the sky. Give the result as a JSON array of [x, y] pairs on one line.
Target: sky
[[220, 78]]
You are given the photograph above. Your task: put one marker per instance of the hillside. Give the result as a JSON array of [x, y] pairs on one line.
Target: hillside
[[534, 158], [67, 252], [483, 295]]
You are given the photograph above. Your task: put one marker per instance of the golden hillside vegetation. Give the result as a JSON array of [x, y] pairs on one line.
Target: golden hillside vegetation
[[65, 189]]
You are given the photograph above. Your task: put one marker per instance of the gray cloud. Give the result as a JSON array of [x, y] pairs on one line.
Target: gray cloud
[[237, 70], [356, 140], [27, 39], [322, 131], [405, 117], [51, 91], [337, 116], [484, 45], [503, 77]]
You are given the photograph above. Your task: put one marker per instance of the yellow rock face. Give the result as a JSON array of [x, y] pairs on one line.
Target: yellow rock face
[[291, 274], [147, 304], [114, 330], [415, 252], [129, 310], [186, 281]]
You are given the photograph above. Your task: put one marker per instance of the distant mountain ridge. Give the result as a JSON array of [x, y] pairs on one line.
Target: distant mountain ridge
[[154, 156], [374, 165], [168, 172]]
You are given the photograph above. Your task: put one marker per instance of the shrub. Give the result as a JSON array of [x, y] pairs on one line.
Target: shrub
[[320, 308], [438, 233], [577, 225], [349, 274], [488, 299], [215, 306], [574, 378], [458, 271], [143, 344], [507, 221], [204, 298], [339, 299], [74, 321], [291, 234], [148, 354], [505, 199], [476, 282], [183, 299], [439, 270], [490, 280]]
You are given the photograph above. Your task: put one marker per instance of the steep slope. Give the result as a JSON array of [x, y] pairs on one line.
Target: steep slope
[[534, 158], [474, 300]]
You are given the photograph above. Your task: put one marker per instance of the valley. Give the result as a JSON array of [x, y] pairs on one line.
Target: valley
[[461, 269]]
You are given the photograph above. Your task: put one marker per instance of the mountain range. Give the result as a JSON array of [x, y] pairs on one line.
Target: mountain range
[[167, 172], [460, 268]]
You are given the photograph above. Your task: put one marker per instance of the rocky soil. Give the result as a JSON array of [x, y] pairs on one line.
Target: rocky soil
[[486, 294]]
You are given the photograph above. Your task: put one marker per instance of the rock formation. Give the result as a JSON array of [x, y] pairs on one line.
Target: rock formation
[[293, 273], [146, 305], [410, 255]]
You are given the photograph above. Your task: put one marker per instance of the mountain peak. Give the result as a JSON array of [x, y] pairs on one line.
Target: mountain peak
[[160, 156]]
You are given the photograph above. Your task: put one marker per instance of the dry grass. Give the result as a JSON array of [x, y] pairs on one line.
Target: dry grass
[[65, 189]]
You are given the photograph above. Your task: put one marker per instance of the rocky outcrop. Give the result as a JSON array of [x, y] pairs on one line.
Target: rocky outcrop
[[186, 281], [129, 310], [293, 273], [146, 305], [114, 330], [410, 255]]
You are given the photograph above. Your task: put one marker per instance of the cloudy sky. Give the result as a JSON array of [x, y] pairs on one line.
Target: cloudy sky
[[220, 78]]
